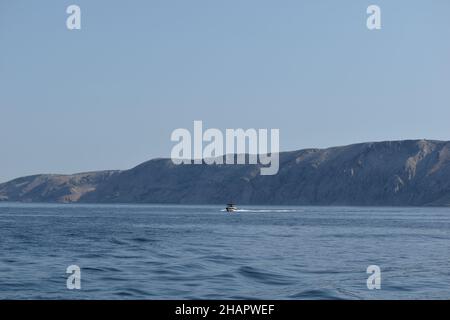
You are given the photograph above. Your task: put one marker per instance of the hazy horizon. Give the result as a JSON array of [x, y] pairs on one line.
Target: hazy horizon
[[109, 95]]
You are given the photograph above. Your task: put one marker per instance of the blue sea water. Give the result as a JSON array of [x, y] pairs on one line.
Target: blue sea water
[[202, 252]]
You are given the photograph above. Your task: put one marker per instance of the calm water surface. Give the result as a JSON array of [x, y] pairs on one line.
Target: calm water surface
[[201, 252]]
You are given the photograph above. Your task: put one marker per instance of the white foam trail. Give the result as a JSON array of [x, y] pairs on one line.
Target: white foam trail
[[265, 210]]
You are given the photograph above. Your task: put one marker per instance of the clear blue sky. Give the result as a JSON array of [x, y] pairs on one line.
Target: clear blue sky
[[109, 95]]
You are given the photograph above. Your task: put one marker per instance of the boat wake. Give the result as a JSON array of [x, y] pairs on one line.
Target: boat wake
[[265, 210]]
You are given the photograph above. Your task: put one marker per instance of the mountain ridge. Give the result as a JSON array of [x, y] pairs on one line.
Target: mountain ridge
[[387, 173]]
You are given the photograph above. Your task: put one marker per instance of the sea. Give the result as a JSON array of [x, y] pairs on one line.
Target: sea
[[203, 252]]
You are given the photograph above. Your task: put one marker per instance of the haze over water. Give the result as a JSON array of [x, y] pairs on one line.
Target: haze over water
[[202, 252]]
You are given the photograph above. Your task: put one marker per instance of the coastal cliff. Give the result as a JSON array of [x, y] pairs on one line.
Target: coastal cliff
[[393, 173]]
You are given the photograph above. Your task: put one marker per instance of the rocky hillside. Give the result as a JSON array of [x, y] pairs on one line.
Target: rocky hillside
[[52, 187], [398, 173]]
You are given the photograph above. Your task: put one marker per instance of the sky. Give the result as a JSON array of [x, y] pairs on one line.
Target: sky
[[108, 96]]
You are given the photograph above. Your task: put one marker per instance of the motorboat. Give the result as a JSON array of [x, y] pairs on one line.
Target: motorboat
[[231, 207]]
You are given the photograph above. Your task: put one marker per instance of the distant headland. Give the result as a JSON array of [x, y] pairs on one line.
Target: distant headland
[[391, 173]]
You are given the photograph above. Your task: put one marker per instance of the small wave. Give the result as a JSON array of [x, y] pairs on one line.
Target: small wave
[[264, 277], [325, 294], [117, 241], [219, 258], [142, 240], [102, 269], [132, 292]]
